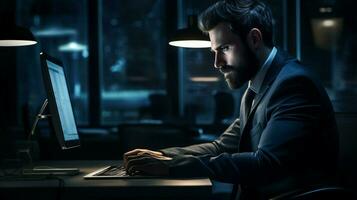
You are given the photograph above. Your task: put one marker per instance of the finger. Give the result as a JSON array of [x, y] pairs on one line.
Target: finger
[[163, 158], [133, 152], [129, 158], [157, 168], [157, 156], [140, 152], [152, 153], [139, 160], [133, 157], [136, 170], [158, 153], [139, 169], [142, 167]]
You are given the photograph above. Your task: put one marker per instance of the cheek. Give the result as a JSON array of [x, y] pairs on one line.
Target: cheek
[[235, 58]]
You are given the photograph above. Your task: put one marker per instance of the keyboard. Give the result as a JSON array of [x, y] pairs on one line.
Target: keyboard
[[108, 173], [113, 171]]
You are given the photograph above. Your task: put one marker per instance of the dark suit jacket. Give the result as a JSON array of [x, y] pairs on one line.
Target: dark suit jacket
[[289, 139]]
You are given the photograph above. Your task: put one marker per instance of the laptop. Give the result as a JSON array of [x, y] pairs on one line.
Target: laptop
[[109, 172]]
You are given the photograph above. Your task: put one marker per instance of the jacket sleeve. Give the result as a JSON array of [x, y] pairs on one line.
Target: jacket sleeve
[[293, 114], [227, 142]]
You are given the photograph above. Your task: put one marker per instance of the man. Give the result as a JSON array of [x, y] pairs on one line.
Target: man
[[286, 135]]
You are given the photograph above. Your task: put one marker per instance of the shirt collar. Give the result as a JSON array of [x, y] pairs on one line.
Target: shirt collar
[[256, 83]]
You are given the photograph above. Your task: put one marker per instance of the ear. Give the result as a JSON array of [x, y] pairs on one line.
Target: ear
[[254, 39]]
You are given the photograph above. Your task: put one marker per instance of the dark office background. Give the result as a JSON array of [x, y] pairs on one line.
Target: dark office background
[[122, 73]]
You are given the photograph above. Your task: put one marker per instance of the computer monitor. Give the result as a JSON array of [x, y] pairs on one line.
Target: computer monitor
[[59, 102]]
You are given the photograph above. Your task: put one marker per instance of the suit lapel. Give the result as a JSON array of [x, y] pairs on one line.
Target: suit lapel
[[281, 58]]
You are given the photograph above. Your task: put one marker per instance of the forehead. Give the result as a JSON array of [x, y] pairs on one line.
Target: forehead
[[222, 34]]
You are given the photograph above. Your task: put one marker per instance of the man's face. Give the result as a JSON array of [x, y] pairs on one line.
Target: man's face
[[233, 58]]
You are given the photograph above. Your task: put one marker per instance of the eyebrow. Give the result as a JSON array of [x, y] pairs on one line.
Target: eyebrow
[[218, 47]]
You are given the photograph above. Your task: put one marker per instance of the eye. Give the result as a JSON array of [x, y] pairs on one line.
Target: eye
[[224, 48]]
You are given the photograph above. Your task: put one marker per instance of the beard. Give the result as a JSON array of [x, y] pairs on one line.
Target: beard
[[237, 76]]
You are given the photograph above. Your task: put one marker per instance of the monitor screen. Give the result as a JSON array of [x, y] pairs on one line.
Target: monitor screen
[[59, 102]]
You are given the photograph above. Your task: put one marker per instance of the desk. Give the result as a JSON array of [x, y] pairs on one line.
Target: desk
[[75, 187]]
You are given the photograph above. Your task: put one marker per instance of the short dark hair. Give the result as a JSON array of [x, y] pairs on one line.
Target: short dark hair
[[242, 15]]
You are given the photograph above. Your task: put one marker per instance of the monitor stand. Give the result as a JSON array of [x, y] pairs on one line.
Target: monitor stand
[[32, 170], [26, 153]]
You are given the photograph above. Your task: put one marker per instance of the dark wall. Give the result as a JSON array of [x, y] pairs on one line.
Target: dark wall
[[8, 69], [347, 126], [8, 80]]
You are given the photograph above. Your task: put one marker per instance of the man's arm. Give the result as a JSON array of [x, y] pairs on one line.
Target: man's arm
[[227, 142], [288, 142]]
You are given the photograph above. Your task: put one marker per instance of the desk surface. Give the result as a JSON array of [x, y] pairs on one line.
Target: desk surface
[[74, 187]]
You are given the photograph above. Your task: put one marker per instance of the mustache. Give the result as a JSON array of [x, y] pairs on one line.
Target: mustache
[[226, 68]]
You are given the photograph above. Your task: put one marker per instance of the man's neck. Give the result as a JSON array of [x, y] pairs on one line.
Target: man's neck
[[263, 54], [257, 81]]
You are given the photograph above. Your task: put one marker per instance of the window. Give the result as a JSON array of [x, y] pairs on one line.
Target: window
[[329, 43], [133, 74], [60, 27]]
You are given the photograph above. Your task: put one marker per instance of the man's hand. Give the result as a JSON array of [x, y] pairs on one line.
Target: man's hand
[[147, 162], [139, 152]]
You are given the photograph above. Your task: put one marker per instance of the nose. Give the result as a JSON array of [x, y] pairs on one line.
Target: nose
[[218, 61]]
